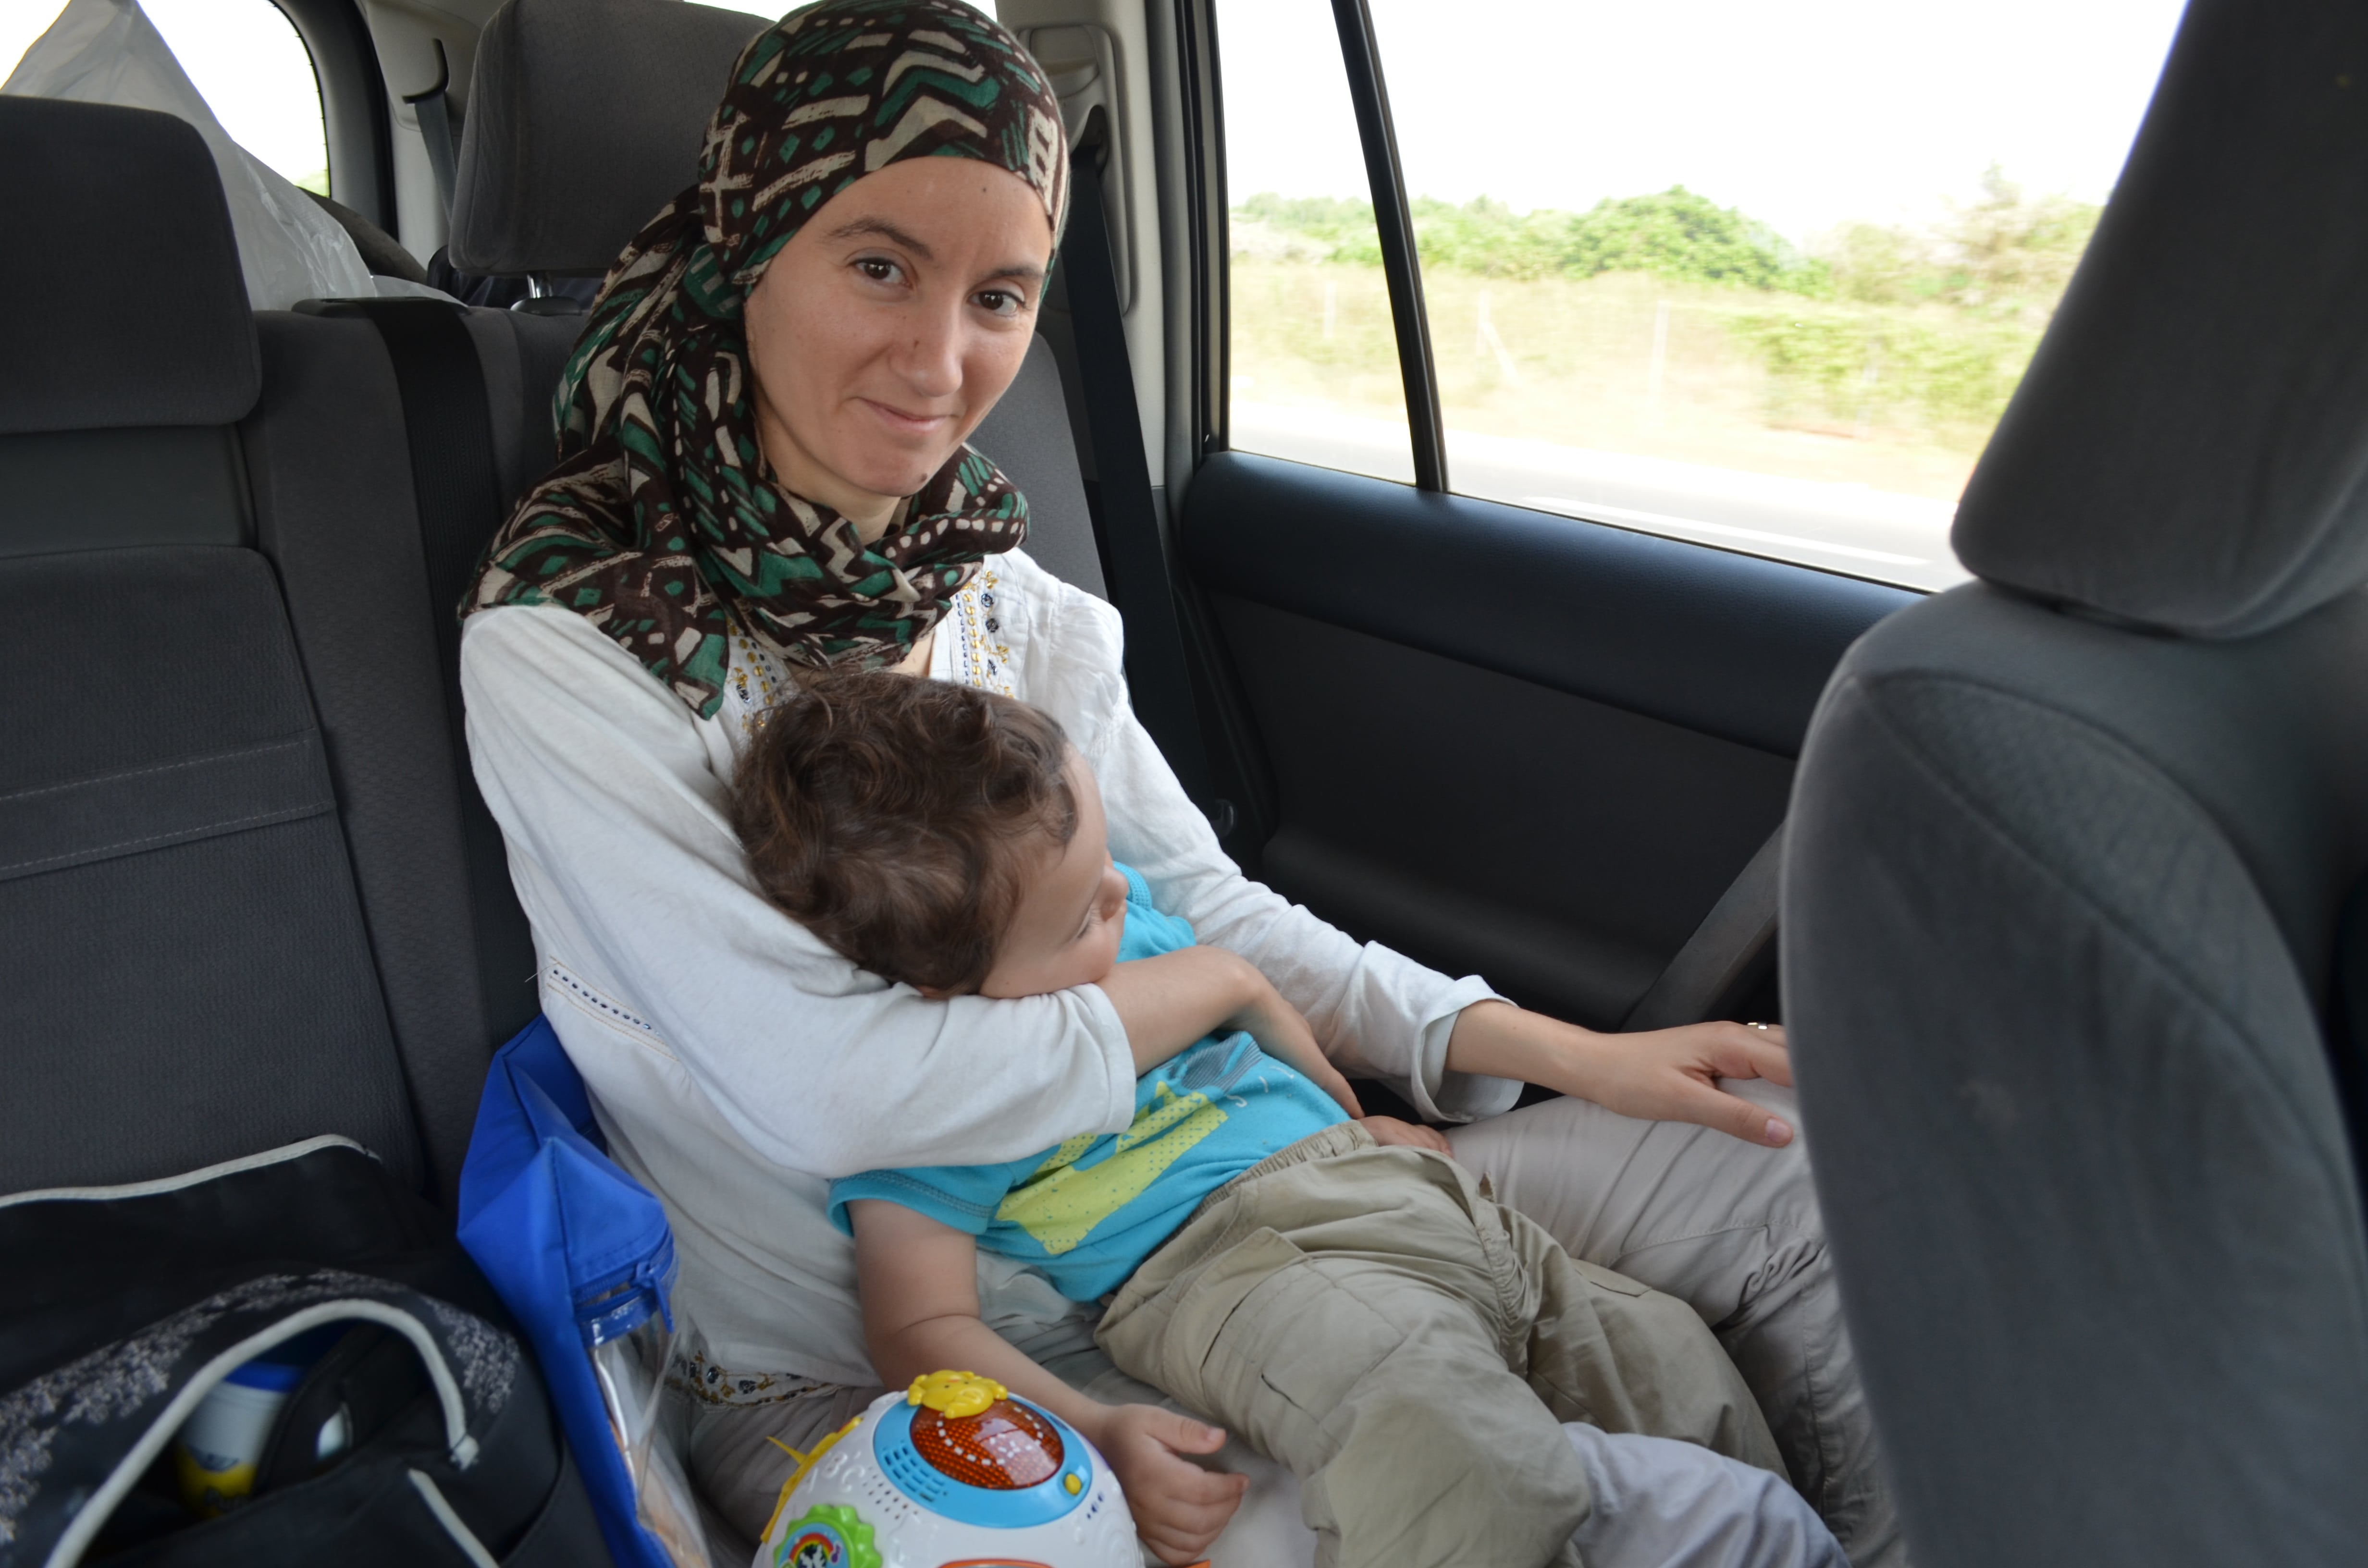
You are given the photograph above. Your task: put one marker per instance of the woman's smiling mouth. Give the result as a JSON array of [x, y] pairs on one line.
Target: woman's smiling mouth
[[904, 423]]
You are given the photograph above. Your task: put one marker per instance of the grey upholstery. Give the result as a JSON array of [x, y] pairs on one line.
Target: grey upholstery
[[2110, 483], [240, 893], [108, 328], [1027, 434], [2065, 887], [334, 512], [186, 976], [521, 356], [90, 489], [585, 119]]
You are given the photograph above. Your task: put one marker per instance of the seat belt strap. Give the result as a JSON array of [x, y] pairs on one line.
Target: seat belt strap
[[1727, 955], [1142, 582], [433, 108], [448, 429]]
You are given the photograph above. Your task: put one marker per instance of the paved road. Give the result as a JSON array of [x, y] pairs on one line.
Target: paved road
[[1844, 527]]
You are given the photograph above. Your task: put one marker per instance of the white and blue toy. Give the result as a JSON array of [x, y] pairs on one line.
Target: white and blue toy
[[954, 1472]]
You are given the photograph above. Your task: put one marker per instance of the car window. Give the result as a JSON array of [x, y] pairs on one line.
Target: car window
[[247, 60], [1311, 352], [1762, 276]]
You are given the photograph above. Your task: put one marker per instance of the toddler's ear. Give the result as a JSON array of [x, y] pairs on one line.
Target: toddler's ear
[[935, 993]]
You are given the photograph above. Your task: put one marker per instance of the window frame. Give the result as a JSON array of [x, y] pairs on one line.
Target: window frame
[[356, 126], [1204, 148]]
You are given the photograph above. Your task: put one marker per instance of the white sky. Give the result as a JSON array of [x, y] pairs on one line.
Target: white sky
[[245, 58], [243, 55], [1803, 114]]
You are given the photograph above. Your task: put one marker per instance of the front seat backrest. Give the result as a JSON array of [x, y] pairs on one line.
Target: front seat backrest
[[185, 975], [586, 117], [2065, 890]]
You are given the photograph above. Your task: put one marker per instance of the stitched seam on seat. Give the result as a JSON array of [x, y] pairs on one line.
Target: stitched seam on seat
[[199, 830], [98, 778]]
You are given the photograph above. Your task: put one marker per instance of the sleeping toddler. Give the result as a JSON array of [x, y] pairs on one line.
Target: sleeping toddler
[[1329, 1285]]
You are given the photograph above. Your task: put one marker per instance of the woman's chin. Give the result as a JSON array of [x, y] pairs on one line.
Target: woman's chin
[[899, 473]]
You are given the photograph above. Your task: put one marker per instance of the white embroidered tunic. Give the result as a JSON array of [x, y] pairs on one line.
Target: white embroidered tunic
[[738, 1064]]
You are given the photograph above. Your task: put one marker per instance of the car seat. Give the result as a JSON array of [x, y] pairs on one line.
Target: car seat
[[189, 973], [2075, 961]]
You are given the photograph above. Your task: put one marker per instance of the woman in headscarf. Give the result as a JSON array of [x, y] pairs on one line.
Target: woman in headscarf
[[763, 472]]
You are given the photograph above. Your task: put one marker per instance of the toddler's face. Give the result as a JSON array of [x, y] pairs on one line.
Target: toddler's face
[[1072, 906]]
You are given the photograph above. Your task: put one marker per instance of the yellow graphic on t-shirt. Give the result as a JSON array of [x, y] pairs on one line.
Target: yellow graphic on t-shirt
[[1062, 1201]]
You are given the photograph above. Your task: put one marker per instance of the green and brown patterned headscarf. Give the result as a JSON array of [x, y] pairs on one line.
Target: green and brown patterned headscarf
[[661, 524]]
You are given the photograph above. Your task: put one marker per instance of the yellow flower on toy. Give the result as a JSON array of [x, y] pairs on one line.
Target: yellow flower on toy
[[954, 1394]]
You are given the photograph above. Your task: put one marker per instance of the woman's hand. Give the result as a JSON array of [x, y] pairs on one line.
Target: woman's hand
[[1179, 1507], [1660, 1075], [1282, 1033], [1389, 1132]]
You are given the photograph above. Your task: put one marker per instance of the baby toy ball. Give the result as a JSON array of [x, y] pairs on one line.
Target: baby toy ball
[[954, 1472]]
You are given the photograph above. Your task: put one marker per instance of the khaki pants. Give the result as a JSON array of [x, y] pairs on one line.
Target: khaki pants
[[1730, 1228], [1409, 1348]]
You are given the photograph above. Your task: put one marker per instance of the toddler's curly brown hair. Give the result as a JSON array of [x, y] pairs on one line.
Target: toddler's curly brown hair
[[887, 815]]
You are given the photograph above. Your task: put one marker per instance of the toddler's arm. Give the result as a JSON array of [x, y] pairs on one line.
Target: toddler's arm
[[918, 1281], [1169, 1001]]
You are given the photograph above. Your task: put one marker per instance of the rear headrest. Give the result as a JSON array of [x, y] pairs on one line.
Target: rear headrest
[[584, 118], [2189, 449], [126, 305]]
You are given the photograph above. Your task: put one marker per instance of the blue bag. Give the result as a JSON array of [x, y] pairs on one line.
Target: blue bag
[[580, 1253]]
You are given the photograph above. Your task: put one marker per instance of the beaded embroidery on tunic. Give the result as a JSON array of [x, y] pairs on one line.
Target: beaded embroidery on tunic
[[974, 623], [971, 631]]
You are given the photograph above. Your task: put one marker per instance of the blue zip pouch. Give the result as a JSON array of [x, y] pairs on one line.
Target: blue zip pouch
[[581, 1254]]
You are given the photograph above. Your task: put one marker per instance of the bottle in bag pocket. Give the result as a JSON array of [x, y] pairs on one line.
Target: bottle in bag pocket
[[215, 1452]]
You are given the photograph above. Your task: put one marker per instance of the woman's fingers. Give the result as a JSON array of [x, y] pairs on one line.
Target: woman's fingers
[[1389, 1130], [1732, 1114], [1750, 1051], [1337, 1087]]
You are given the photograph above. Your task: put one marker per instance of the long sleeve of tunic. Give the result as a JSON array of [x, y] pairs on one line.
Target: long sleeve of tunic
[[737, 1063]]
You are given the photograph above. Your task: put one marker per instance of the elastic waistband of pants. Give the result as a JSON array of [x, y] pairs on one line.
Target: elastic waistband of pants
[[1340, 1138]]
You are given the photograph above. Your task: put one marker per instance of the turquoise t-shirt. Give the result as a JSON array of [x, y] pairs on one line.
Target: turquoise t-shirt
[[1089, 1211]]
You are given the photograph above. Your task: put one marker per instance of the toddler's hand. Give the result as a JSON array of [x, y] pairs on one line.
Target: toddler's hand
[[1179, 1507], [1389, 1130]]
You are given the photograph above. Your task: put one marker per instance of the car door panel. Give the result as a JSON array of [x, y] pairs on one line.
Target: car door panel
[[1500, 741], [1729, 644]]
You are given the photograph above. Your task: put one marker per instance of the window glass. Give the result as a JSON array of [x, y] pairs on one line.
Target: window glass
[[1313, 345], [1762, 275], [247, 60]]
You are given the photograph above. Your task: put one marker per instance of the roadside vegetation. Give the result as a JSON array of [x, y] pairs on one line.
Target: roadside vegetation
[[1667, 324]]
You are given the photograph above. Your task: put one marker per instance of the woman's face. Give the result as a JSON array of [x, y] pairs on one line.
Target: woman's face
[[881, 334]]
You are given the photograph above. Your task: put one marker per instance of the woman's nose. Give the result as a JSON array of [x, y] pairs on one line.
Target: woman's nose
[[931, 359]]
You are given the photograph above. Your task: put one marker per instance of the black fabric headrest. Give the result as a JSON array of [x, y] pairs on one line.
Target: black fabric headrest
[[584, 118], [2189, 449], [126, 303]]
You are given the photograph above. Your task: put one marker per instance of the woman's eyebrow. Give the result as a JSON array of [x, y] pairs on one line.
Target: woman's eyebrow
[[886, 231], [1019, 271]]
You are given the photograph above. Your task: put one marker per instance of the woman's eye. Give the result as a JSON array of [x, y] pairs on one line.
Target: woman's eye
[[999, 301], [878, 268]]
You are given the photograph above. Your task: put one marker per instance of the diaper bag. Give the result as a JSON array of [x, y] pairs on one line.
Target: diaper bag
[[411, 1425]]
